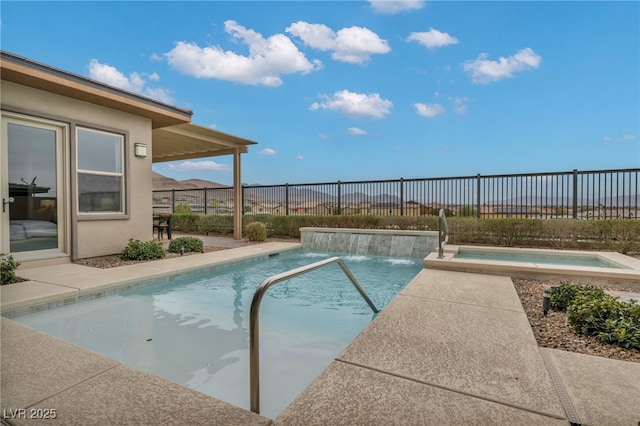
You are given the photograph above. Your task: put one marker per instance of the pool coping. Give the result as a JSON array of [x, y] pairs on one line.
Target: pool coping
[[628, 277], [64, 284]]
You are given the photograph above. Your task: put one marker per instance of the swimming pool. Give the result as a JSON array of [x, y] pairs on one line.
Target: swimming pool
[[194, 330]]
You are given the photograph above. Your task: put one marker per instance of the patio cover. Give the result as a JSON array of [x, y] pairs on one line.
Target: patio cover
[[189, 141]]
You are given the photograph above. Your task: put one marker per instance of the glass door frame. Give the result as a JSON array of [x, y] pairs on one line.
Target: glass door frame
[[62, 131]]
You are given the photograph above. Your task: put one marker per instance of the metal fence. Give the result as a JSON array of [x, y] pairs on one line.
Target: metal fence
[[599, 194]]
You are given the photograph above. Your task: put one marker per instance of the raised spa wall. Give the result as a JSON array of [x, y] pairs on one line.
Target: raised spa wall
[[375, 242]]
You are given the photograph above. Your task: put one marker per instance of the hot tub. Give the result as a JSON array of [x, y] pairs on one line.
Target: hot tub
[[600, 268]]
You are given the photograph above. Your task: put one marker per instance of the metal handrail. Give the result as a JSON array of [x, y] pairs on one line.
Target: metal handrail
[[443, 233], [254, 319]]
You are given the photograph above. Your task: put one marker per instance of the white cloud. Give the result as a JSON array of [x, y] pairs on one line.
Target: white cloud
[[428, 110], [268, 58], [459, 104], [624, 138], [390, 7], [484, 71], [160, 94], [188, 166], [300, 157], [324, 136], [353, 45], [432, 39], [135, 82], [356, 131], [355, 105], [268, 151]]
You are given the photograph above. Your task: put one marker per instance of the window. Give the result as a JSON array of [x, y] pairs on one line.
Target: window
[[100, 171]]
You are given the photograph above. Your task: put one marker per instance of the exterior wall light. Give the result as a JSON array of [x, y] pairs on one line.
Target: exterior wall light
[[140, 150]]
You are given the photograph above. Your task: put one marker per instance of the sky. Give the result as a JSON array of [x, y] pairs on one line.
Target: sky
[[365, 90]]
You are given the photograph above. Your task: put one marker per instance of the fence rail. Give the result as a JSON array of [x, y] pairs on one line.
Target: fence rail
[[599, 194]]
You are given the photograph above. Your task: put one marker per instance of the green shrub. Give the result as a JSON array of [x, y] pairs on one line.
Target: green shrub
[[621, 235], [182, 208], [139, 250], [561, 233], [215, 224], [8, 268], [562, 295], [256, 231], [598, 314], [190, 244], [467, 211], [186, 222]]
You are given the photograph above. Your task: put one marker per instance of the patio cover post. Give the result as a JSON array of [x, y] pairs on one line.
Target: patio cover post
[[237, 196]]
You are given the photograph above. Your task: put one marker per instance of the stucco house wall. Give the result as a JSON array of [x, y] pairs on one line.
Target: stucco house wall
[[92, 235]]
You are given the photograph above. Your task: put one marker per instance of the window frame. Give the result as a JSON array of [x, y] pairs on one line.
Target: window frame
[[122, 213]]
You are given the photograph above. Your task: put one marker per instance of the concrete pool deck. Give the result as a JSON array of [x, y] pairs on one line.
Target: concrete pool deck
[[452, 347]]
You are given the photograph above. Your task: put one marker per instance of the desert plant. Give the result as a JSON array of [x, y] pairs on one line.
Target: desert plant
[[142, 250], [8, 267], [189, 244], [256, 231]]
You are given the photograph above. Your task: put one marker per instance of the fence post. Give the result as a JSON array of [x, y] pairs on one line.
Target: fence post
[[339, 198], [575, 193], [401, 196], [478, 194], [286, 199], [173, 201], [205, 200]]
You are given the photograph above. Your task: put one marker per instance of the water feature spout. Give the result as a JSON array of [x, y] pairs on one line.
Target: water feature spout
[[443, 233]]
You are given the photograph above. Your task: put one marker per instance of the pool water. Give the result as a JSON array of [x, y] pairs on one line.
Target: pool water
[[531, 257], [194, 330]]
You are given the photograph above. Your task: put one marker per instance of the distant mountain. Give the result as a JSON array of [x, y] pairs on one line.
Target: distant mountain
[[200, 183], [164, 183], [299, 194], [296, 194]]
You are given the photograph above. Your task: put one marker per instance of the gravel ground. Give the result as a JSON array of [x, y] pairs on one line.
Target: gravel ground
[[553, 331]]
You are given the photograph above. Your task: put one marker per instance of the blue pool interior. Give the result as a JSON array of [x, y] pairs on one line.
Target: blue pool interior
[[557, 258], [194, 330]]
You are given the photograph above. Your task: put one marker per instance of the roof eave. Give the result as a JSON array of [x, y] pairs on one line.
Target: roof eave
[[26, 72]]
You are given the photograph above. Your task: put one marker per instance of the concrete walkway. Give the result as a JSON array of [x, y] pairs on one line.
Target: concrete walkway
[[456, 348], [452, 347]]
